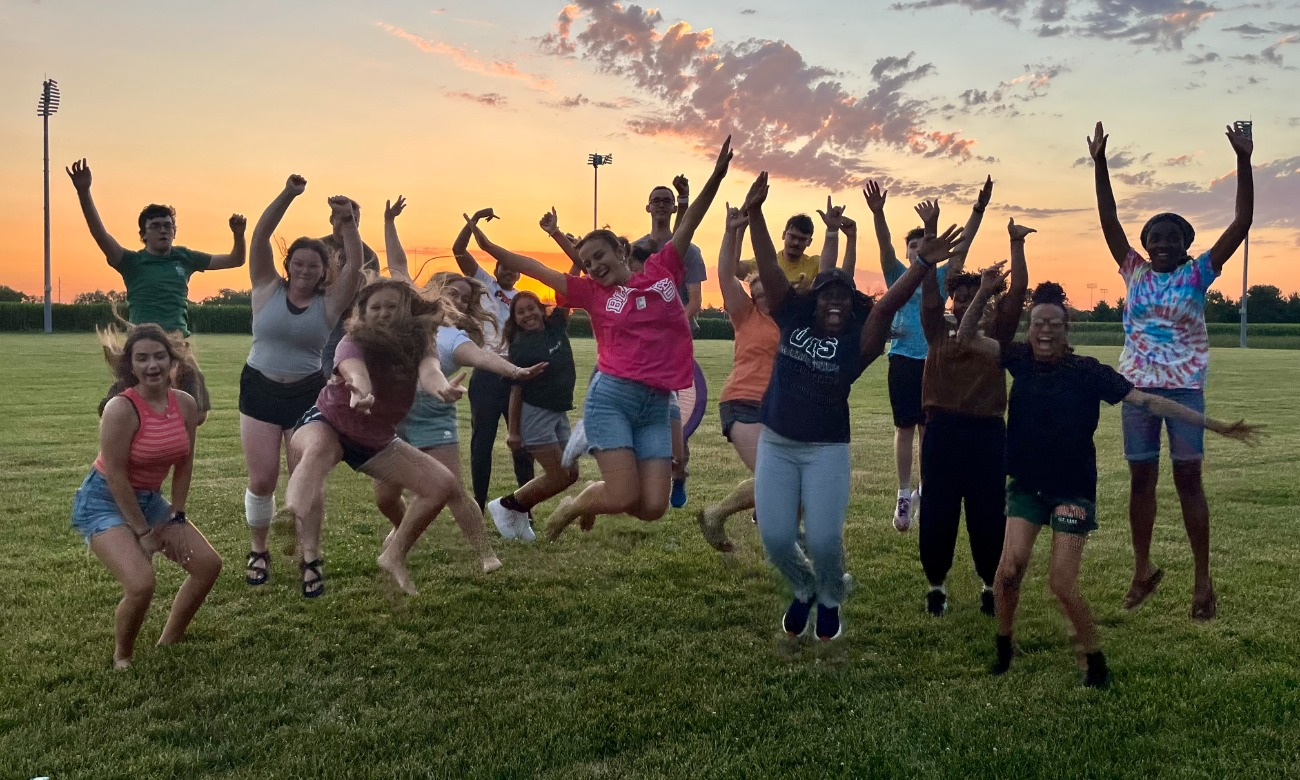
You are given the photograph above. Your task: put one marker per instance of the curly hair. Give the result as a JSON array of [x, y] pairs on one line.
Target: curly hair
[[470, 316], [955, 282], [327, 258], [118, 356], [1053, 294], [404, 342]]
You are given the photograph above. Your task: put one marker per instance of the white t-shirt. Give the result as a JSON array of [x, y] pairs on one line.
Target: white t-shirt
[[497, 301]]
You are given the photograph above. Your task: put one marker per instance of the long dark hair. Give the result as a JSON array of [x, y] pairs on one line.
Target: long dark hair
[[512, 329], [404, 342]]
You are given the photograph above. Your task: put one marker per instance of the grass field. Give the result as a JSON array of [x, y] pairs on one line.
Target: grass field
[[636, 651]]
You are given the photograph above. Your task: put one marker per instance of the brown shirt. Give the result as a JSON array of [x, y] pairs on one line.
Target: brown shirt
[[963, 379]]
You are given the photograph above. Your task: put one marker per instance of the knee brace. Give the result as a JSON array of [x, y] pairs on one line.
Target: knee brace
[[258, 510]]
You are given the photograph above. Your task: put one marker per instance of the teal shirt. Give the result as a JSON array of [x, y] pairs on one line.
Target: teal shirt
[[158, 286], [907, 336]]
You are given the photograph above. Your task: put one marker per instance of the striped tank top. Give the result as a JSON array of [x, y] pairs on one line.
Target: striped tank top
[[160, 442]]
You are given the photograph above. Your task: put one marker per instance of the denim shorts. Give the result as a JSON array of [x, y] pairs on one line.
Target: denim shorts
[[1142, 429], [540, 427], [625, 414], [94, 510]]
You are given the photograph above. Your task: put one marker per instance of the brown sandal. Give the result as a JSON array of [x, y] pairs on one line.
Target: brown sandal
[[1139, 592], [1207, 609]]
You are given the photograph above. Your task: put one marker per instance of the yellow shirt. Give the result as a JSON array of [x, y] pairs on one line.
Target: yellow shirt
[[805, 266]]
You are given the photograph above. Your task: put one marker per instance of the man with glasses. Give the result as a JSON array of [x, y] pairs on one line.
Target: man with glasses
[[157, 277]]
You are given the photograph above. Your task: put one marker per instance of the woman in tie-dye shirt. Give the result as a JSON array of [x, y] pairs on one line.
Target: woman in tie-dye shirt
[[1166, 352]]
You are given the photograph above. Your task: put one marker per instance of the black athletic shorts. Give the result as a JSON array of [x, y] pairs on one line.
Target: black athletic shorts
[[905, 377], [277, 403], [733, 412], [355, 455]]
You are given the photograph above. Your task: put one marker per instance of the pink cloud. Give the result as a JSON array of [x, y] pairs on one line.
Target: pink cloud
[[467, 61]]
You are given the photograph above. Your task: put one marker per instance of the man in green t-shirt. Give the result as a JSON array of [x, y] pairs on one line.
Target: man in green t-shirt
[[157, 277]]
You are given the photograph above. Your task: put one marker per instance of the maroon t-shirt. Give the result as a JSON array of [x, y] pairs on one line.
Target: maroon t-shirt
[[393, 399]]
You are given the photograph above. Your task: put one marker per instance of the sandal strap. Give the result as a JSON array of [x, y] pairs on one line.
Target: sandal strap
[[253, 556]]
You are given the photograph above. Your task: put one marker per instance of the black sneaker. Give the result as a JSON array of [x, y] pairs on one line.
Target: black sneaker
[[795, 622], [936, 602], [988, 604], [828, 623], [1097, 674], [1005, 651]]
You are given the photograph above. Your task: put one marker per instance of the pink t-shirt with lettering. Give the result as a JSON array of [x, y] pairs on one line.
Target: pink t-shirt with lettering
[[640, 327], [1165, 340]]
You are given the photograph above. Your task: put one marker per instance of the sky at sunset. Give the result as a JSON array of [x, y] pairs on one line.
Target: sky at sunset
[[459, 105]]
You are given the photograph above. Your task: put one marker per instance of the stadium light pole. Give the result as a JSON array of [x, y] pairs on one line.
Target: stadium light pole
[[595, 161], [1092, 286], [49, 103], [1244, 126]]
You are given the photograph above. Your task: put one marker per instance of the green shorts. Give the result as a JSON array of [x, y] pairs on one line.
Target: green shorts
[[1065, 515]]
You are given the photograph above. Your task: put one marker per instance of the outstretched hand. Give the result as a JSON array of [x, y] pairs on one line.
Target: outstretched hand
[[1018, 232], [526, 374], [985, 194], [875, 196], [360, 401], [452, 391], [724, 158], [1241, 431], [549, 222], [936, 249], [1241, 141], [831, 216], [756, 195], [393, 209], [80, 175], [736, 218], [1097, 145], [295, 185], [928, 211]]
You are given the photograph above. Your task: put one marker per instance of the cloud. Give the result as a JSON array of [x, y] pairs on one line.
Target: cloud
[[493, 99], [788, 116], [466, 61], [1001, 100], [1139, 179], [1182, 160], [1201, 59], [579, 100], [1210, 206], [748, 11], [1247, 30], [1041, 213], [1162, 23], [1270, 54], [1116, 161]]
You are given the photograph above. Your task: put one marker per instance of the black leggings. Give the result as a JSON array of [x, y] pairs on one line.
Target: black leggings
[[962, 459], [489, 403]]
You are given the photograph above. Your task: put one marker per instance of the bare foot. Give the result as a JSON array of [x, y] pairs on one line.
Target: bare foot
[[390, 562], [587, 522], [490, 563], [711, 528], [121, 664], [388, 539], [560, 518]]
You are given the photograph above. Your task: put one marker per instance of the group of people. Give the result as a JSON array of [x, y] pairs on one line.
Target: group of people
[[351, 366]]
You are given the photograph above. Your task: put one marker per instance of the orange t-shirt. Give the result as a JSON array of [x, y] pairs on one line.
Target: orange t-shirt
[[757, 337]]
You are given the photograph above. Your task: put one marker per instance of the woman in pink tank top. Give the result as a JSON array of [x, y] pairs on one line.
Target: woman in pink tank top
[[146, 432]]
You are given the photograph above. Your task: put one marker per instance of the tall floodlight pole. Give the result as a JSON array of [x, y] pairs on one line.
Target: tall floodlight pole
[[48, 104], [1092, 286], [1244, 126], [595, 161]]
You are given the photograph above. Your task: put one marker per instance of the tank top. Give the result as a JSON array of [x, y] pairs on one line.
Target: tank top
[[160, 442], [288, 345]]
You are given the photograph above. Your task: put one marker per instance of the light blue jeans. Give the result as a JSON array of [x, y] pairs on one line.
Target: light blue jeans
[[792, 475]]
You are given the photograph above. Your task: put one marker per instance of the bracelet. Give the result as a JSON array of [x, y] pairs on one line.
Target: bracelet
[[926, 262], [178, 519], [142, 534], [977, 208], [553, 233], [1017, 241], [683, 199], [832, 233]]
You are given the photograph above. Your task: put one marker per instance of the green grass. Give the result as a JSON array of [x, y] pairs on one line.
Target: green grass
[[636, 651]]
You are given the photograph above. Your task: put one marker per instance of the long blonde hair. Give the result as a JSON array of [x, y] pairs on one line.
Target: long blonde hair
[[470, 316]]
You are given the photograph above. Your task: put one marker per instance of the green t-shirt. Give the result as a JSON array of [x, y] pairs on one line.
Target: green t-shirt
[[157, 286]]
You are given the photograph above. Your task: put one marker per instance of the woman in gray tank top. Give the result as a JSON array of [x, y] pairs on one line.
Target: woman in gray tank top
[[293, 316]]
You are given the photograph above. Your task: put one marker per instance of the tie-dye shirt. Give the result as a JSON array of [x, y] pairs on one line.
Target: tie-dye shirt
[[1165, 341]]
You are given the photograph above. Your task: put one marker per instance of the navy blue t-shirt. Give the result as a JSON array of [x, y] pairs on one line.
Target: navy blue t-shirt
[[1051, 418], [808, 397], [553, 389]]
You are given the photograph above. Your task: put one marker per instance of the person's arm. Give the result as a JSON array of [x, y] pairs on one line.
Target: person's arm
[[356, 378], [261, 258], [1012, 304], [875, 331], [830, 255], [931, 308], [341, 292], [550, 223], [514, 419], [968, 334], [694, 305], [533, 269], [80, 175], [958, 261], [1111, 229], [1245, 210], [435, 383], [398, 267], [460, 248], [171, 537], [876, 203], [683, 187], [471, 355], [1164, 407], [850, 230], [238, 252], [117, 428], [775, 285], [734, 297], [695, 212]]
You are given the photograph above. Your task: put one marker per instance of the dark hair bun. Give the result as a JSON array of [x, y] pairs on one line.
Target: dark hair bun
[[1050, 292]]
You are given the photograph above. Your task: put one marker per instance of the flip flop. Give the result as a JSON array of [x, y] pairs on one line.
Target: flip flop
[[1141, 591]]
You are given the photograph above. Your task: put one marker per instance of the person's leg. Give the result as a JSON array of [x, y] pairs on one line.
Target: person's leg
[[680, 454], [903, 438], [261, 444], [1142, 451], [317, 450], [712, 519], [1019, 545], [655, 478], [555, 478], [1196, 519], [388, 498], [942, 460], [203, 568], [486, 409], [777, 492], [466, 513], [121, 553], [1063, 578], [617, 492], [824, 496], [984, 484]]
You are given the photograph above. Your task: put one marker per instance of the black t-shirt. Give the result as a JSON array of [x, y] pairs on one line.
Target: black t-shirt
[[808, 397], [1053, 413], [553, 389]]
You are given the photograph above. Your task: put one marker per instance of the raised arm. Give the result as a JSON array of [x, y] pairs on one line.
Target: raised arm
[[876, 202], [80, 175], [1227, 244], [460, 248], [343, 289], [830, 256], [1013, 302], [551, 224], [734, 297], [238, 251], [958, 261], [775, 285], [398, 268], [991, 280], [850, 230], [1111, 229], [875, 331], [1160, 406], [685, 230], [261, 258], [683, 187], [932, 322], [533, 269]]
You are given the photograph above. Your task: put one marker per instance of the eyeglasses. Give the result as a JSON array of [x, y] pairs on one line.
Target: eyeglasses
[[661, 201], [1041, 323], [161, 227]]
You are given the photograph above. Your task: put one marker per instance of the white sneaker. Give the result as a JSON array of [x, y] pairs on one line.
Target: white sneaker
[[916, 504], [903, 513], [524, 526], [576, 446], [502, 519]]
